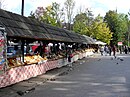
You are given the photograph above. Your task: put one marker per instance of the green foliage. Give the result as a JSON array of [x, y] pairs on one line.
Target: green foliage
[[101, 32], [118, 25], [96, 29], [52, 14], [80, 22], [113, 27]]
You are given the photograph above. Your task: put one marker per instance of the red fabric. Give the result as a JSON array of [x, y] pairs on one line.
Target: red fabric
[[34, 47]]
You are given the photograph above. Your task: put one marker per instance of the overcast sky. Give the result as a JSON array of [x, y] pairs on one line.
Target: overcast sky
[[97, 6]]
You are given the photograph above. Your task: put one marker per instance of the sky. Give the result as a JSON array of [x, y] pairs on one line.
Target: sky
[[97, 6]]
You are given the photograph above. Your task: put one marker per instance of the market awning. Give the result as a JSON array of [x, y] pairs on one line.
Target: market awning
[[100, 43]]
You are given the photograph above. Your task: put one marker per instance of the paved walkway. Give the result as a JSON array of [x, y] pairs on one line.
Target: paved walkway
[[100, 76], [97, 76]]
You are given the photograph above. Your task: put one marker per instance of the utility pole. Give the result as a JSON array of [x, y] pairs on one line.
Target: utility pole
[[22, 10]]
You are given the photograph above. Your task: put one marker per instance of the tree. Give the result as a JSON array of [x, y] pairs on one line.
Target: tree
[[80, 22], [96, 28], [69, 7], [100, 31], [2, 5], [38, 13], [90, 16], [58, 13], [128, 22], [83, 21], [117, 24], [52, 14], [49, 16], [123, 28]]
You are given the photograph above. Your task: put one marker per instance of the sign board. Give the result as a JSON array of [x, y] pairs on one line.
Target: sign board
[[120, 43]]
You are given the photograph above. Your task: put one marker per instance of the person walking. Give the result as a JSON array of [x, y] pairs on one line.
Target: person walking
[[110, 50], [101, 50], [106, 50], [125, 49], [114, 50]]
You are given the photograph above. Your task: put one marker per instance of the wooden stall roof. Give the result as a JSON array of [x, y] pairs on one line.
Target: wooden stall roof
[[57, 33], [22, 27], [89, 40], [75, 36]]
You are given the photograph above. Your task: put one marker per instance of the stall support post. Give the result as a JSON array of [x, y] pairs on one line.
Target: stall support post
[[22, 48], [54, 47], [41, 48], [77, 46], [66, 44]]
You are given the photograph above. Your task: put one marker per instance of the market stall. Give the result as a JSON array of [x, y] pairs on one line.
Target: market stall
[[31, 53]]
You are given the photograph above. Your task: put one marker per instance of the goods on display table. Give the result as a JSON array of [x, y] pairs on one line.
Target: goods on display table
[[29, 59], [36, 62]]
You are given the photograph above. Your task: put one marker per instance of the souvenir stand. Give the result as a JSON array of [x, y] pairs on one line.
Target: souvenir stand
[[23, 31]]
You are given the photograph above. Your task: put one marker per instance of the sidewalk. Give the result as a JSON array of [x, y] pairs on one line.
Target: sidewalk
[[27, 86]]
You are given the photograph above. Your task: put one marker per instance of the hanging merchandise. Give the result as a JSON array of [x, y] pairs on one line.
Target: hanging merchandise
[[3, 56]]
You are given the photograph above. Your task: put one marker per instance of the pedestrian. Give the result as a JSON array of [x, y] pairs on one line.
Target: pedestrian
[[125, 49], [129, 49], [70, 56], [101, 50], [106, 50], [120, 49], [110, 50], [114, 50]]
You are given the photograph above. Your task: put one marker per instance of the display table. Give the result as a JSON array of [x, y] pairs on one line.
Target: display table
[[50, 65], [62, 62], [89, 54], [75, 57], [84, 54], [21, 73], [80, 56]]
